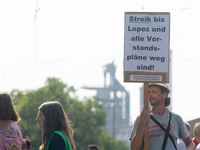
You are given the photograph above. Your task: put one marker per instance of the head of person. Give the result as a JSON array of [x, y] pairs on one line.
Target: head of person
[[196, 131], [26, 145], [92, 147], [7, 110], [159, 92], [51, 117]]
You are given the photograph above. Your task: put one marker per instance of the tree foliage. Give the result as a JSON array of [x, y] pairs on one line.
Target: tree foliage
[[88, 116]]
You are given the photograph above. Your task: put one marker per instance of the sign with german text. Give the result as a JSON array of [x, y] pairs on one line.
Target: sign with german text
[[146, 47]]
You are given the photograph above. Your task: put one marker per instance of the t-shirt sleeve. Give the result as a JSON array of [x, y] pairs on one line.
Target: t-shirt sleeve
[[135, 125], [183, 131], [56, 143], [15, 135]]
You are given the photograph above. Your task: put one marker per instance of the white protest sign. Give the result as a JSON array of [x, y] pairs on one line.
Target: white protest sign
[[146, 45]]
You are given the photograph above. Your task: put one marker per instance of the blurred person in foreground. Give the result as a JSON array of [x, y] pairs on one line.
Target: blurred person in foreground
[[196, 131], [92, 147], [198, 147], [164, 127], [26, 144], [57, 131], [10, 133], [180, 143]]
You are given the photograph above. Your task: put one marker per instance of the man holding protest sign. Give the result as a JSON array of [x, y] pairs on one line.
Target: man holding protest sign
[[164, 127]]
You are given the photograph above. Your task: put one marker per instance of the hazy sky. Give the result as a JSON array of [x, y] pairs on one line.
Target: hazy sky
[[73, 40]]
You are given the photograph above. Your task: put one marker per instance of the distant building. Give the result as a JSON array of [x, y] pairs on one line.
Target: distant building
[[116, 101]]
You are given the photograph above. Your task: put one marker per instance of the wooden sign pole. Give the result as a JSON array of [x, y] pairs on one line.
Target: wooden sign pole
[[146, 131]]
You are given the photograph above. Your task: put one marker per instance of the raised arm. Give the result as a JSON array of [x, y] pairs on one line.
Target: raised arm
[[136, 142]]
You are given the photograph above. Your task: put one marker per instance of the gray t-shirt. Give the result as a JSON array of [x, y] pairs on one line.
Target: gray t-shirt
[[156, 134]]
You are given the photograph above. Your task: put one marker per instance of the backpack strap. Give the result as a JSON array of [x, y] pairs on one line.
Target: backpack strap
[[166, 131]]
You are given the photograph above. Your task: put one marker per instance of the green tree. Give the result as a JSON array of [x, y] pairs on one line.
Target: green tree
[[88, 116]]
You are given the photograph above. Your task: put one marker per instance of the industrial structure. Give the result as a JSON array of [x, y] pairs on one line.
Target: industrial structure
[[116, 102]]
